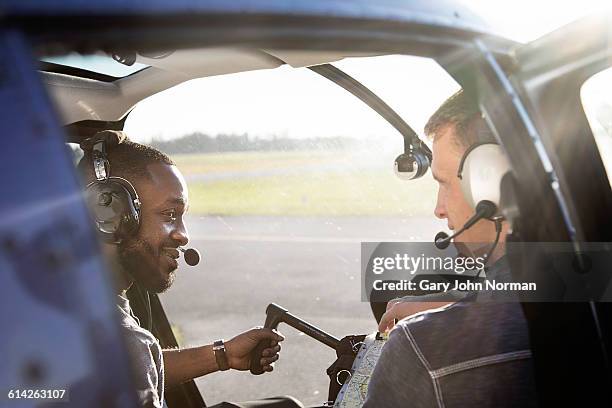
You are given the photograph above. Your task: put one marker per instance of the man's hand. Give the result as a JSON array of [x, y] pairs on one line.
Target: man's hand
[[398, 309], [239, 348]]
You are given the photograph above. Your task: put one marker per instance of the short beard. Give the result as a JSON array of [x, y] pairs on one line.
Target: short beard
[[142, 263]]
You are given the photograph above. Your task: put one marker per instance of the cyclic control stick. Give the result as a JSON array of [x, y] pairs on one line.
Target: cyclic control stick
[[275, 315]]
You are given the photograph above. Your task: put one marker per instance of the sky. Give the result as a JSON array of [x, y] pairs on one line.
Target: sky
[[297, 103], [526, 20]]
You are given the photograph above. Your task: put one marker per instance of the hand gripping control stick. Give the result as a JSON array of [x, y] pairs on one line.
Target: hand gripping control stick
[[275, 315]]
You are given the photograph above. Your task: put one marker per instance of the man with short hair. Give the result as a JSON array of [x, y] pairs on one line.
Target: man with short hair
[[460, 354], [148, 257]]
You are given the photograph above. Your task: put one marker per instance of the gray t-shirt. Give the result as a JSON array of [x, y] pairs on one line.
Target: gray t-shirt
[[146, 355]]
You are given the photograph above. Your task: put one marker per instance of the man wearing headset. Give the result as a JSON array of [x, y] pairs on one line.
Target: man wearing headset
[[462, 353], [139, 209]]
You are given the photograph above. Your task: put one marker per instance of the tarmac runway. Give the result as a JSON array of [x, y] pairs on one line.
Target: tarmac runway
[[309, 265]]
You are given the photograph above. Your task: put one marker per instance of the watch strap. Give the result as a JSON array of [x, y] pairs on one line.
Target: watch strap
[[220, 355]]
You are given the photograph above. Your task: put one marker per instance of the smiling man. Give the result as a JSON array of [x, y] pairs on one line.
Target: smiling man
[[150, 257], [466, 353], [147, 255]]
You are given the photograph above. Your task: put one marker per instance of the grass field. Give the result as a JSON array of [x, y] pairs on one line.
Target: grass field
[[267, 183]]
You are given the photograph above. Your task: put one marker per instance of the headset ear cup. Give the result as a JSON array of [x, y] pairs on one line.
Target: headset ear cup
[[115, 208], [130, 219], [481, 171], [129, 222]]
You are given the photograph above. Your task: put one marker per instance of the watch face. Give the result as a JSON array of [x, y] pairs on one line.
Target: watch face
[[220, 356]]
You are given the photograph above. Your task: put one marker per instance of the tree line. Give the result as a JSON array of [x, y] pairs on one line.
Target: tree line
[[198, 142]]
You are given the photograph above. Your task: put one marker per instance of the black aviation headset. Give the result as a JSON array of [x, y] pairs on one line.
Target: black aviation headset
[[113, 201]]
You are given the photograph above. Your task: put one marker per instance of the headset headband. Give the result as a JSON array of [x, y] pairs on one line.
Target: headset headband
[[466, 154]]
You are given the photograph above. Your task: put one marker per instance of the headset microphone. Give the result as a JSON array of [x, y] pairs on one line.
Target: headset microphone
[[484, 209], [191, 255], [443, 240]]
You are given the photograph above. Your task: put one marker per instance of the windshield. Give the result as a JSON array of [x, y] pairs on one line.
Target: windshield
[[288, 174], [201, 105]]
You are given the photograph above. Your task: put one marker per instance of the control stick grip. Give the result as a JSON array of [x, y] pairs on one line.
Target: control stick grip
[[274, 315]]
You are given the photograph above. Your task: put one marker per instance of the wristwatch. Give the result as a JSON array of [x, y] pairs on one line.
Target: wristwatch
[[220, 355]]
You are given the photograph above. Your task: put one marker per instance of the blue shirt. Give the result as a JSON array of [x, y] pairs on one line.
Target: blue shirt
[[466, 354]]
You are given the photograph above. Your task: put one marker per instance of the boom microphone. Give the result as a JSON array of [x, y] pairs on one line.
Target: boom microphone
[[442, 240], [191, 255], [484, 209]]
